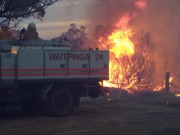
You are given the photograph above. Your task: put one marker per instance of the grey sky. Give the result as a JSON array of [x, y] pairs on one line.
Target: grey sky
[[60, 15]]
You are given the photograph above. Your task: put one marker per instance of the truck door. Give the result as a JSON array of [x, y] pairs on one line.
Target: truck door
[[7, 68], [78, 64], [55, 64], [99, 67]]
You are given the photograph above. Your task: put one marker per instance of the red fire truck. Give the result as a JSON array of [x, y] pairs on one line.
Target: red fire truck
[[49, 74]]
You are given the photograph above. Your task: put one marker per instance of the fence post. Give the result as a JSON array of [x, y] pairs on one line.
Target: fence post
[[167, 82]]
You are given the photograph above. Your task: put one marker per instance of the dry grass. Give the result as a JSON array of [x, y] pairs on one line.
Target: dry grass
[[140, 114]]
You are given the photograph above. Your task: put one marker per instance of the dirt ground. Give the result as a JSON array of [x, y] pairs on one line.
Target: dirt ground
[[118, 114]]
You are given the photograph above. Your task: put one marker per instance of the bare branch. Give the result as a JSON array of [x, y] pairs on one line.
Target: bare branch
[[16, 9]]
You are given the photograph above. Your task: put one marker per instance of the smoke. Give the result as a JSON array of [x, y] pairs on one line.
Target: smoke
[[161, 19], [106, 11], [158, 17]]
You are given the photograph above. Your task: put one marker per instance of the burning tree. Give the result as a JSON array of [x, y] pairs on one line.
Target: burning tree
[[131, 57], [143, 63]]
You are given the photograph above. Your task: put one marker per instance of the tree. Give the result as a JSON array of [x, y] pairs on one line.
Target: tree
[[17, 10], [129, 71], [76, 36]]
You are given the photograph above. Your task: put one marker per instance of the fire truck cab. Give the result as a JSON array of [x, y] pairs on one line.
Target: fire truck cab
[[50, 74]]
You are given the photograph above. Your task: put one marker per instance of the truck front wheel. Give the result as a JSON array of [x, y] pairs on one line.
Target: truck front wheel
[[60, 102]]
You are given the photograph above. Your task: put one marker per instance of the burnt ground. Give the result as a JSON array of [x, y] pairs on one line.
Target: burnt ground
[[143, 113]]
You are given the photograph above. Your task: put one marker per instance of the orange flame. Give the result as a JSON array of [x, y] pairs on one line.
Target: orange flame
[[120, 45], [141, 4], [177, 95], [123, 49], [14, 50], [124, 20], [163, 85]]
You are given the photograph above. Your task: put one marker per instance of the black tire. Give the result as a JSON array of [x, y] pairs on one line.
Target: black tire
[[60, 102]]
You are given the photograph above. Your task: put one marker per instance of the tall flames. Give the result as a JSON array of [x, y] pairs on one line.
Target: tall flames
[[132, 60], [130, 65], [120, 46]]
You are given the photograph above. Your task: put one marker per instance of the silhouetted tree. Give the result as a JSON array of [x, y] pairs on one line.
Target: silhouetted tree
[[17, 10], [76, 36]]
